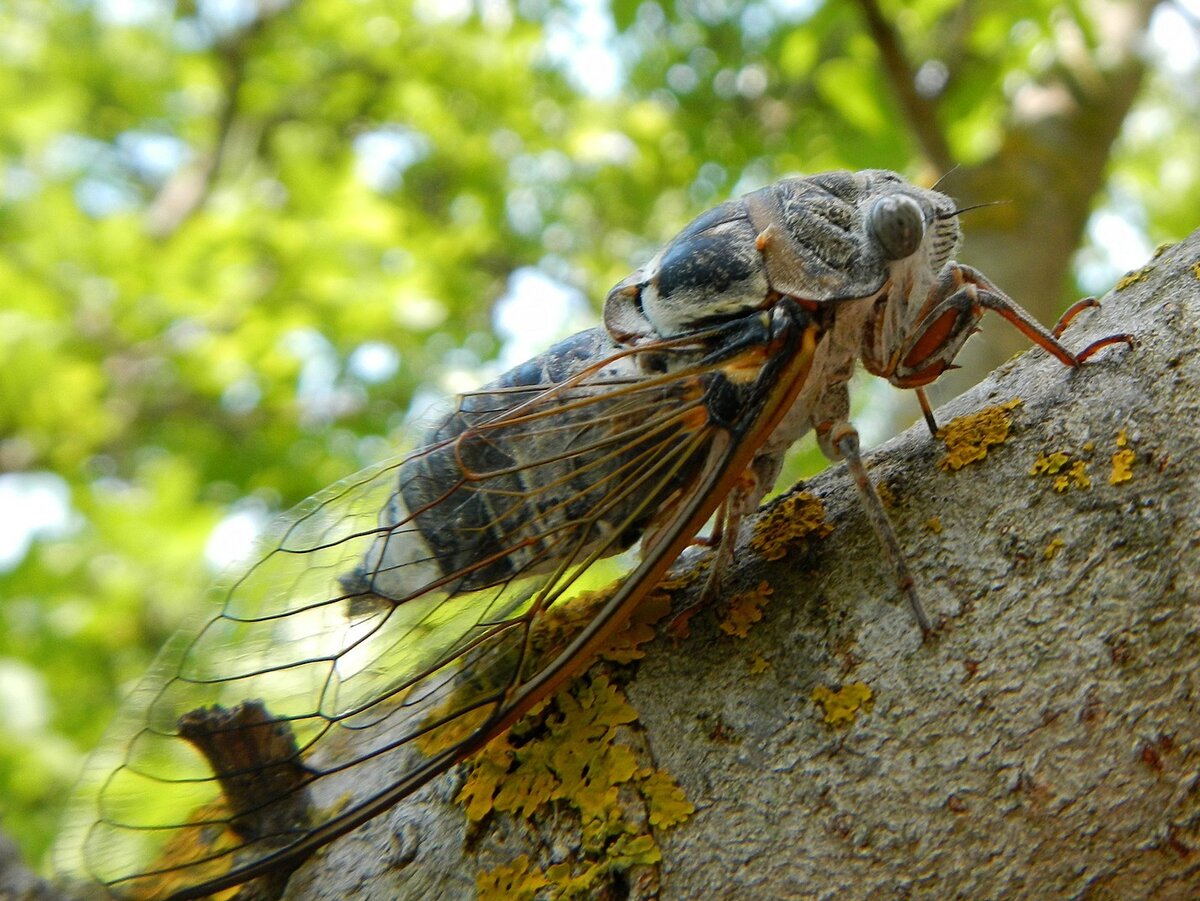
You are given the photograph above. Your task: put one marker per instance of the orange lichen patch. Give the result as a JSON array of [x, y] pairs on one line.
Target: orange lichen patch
[[563, 620], [1053, 547], [1049, 464], [516, 881], [759, 664], [1067, 473], [665, 800], [554, 630], [934, 525], [787, 523], [626, 645], [841, 706], [1075, 477], [968, 438], [570, 753], [1122, 460], [745, 609], [1131, 278], [676, 581], [680, 626], [887, 497]]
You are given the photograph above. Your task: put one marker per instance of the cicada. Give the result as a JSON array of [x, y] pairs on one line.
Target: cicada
[[394, 623]]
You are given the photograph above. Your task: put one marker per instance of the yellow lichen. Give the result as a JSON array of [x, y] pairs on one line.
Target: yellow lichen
[[759, 664], [666, 803], [1122, 467], [1053, 547], [570, 754], [1049, 464], [787, 523], [516, 881], [488, 770], [968, 438], [887, 497], [1122, 460], [1163, 248], [203, 850], [453, 731], [626, 645], [934, 525], [841, 706], [745, 609], [567, 752], [569, 879], [1131, 278], [1075, 477], [1196, 269], [1067, 473]]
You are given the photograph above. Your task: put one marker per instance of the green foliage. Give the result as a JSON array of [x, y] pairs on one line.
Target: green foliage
[[203, 221]]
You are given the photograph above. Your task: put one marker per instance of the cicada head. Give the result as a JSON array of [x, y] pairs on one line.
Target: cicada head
[[914, 230]]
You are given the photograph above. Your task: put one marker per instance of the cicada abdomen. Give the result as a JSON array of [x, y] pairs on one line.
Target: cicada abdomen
[[515, 480]]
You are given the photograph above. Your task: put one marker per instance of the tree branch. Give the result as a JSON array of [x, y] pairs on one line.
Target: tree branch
[[1051, 165], [919, 111], [186, 191], [1049, 736]]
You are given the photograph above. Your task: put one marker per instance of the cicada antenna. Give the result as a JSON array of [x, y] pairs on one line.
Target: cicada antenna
[[945, 175], [975, 206]]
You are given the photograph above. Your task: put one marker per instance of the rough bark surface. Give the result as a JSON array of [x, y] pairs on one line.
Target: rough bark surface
[[1046, 742]]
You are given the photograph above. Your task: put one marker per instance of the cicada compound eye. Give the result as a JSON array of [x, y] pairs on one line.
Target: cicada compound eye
[[898, 223]]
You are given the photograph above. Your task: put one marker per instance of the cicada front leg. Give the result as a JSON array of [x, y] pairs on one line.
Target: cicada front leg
[[723, 538], [912, 357]]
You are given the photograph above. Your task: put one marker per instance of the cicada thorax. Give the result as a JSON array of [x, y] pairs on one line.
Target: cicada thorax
[[820, 240]]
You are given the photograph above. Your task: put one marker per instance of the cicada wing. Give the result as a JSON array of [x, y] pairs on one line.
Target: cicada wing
[[285, 637], [391, 623]]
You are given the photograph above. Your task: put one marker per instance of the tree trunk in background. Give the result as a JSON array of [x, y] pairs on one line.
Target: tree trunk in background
[[1046, 174], [1045, 742]]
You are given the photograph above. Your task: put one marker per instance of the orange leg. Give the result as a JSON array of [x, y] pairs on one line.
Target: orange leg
[[989, 297], [927, 410]]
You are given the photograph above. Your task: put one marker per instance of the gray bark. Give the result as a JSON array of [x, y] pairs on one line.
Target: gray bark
[[1045, 743]]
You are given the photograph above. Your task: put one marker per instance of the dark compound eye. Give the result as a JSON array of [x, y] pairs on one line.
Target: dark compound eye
[[898, 224]]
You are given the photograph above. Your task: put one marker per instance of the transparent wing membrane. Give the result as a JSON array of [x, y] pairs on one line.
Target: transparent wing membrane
[[396, 620]]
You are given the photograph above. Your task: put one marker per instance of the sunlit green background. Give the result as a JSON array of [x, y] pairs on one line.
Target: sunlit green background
[[240, 240]]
